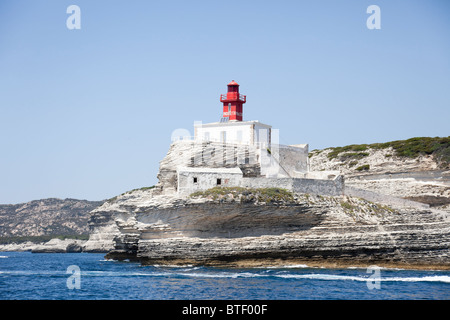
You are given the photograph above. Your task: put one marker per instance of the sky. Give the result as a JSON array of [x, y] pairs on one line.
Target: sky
[[88, 113]]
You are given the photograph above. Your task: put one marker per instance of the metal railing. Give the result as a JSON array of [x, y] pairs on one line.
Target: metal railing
[[241, 97]]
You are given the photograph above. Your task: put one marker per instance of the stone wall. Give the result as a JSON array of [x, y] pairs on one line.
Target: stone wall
[[332, 187], [262, 182]]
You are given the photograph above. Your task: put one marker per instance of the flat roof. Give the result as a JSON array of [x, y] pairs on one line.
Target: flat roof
[[231, 123], [235, 170]]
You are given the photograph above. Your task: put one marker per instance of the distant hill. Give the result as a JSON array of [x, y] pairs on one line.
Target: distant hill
[[45, 218]]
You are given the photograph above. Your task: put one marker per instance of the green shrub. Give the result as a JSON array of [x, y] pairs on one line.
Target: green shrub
[[354, 147], [364, 167], [348, 207], [353, 155], [353, 163]]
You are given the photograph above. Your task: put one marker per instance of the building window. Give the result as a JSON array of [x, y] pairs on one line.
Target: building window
[[195, 180], [219, 182]]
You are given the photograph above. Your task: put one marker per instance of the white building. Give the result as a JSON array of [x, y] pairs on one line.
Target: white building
[[236, 132], [233, 152]]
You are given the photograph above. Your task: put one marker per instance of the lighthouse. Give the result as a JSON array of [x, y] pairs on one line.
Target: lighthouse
[[232, 102], [232, 152], [231, 128]]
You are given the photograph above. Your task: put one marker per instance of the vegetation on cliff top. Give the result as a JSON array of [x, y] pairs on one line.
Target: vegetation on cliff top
[[411, 148], [266, 195]]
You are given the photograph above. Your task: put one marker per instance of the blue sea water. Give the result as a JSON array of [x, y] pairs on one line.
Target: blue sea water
[[28, 276]]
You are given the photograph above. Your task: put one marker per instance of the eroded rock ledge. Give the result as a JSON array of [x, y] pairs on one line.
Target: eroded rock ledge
[[240, 229]]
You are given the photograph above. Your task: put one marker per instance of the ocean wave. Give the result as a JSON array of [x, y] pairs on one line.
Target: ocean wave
[[325, 277], [33, 273], [173, 266], [195, 273], [287, 266], [445, 279], [3, 257]]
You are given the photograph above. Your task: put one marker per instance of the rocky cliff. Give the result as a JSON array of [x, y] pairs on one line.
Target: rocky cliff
[[256, 227], [238, 226]]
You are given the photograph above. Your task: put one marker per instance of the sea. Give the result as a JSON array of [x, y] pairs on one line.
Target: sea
[[89, 276]]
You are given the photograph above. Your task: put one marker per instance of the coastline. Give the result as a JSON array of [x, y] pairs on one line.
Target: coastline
[[270, 263], [300, 263]]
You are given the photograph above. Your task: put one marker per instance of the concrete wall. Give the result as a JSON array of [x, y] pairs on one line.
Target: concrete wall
[[284, 183], [206, 178], [294, 158], [334, 187], [231, 178]]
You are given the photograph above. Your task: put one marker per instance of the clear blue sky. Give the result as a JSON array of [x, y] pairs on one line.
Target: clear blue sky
[[88, 113]]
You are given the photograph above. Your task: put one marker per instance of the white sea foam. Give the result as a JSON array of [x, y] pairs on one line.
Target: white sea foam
[[326, 277], [172, 266], [33, 273], [313, 276], [445, 279], [288, 266], [235, 275], [320, 277], [3, 257]]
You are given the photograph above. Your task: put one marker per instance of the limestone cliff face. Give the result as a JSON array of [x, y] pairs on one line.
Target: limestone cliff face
[[235, 229], [159, 226], [423, 178]]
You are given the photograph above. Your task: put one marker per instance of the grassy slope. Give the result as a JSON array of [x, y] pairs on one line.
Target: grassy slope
[[411, 148]]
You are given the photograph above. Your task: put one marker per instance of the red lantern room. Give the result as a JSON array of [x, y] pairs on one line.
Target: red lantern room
[[232, 102]]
